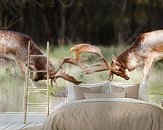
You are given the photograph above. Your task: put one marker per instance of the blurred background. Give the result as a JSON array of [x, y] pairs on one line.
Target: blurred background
[[104, 22], [112, 25]]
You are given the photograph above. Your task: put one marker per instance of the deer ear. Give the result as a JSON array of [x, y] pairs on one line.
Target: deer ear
[[114, 59]]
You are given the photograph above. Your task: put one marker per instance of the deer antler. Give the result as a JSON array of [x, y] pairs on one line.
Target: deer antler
[[67, 77], [97, 68], [111, 75], [80, 48], [75, 62]]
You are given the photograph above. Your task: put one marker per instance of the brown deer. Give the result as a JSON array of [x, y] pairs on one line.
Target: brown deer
[[146, 50], [15, 47]]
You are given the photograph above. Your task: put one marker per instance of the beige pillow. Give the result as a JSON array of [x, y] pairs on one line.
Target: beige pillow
[[79, 91], [104, 95], [131, 91]]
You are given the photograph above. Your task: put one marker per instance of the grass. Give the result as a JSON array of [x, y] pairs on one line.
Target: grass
[[12, 82], [10, 89]]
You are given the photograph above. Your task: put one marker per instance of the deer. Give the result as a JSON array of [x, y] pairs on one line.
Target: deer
[[146, 50], [14, 47]]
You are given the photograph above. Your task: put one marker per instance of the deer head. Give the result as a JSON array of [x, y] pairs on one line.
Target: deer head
[[118, 69], [40, 64], [53, 74]]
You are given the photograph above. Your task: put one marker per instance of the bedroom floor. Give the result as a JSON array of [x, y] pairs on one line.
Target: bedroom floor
[[17, 126], [6, 123]]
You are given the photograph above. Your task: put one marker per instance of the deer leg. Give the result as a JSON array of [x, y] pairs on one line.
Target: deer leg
[[144, 86], [147, 68]]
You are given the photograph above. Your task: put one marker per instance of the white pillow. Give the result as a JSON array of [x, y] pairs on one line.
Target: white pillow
[[71, 90], [131, 90], [71, 94], [104, 95]]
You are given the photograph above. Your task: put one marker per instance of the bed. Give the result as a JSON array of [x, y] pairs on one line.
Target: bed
[[105, 106]]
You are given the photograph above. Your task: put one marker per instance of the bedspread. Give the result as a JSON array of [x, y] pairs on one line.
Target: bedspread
[[106, 114]]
